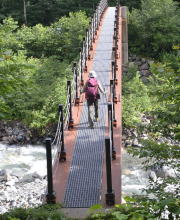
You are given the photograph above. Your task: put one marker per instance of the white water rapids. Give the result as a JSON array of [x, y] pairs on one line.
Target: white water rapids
[[134, 178], [29, 159], [21, 160]]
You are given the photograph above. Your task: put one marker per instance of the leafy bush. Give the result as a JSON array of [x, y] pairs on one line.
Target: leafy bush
[[44, 212], [59, 39], [165, 190], [16, 72], [34, 67], [135, 100], [165, 89]]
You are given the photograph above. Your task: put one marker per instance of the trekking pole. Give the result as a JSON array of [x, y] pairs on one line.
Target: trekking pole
[[110, 196], [50, 196], [71, 121], [62, 156], [111, 131]]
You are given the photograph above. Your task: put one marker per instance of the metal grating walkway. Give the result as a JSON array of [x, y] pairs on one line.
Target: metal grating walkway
[[85, 176]]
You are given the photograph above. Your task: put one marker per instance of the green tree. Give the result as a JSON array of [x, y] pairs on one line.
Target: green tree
[[58, 39], [35, 63], [45, 12], [165, 91], [154, 28], [135, 99]]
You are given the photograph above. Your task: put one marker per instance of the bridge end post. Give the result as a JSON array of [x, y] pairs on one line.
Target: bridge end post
[[50, 196], [112, 120], [109, 196]]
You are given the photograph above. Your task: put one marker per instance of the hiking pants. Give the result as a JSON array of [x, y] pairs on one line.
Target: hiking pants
[[92, 112]]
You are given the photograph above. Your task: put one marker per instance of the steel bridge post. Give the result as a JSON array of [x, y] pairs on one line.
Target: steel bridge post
[[110, 116], [71, 121], [110, 196], [62, 154], [114, 77], [81, 64], [114, 57], [113, 91], [75, 72], [50, 196], [91, 34], [86, 51]]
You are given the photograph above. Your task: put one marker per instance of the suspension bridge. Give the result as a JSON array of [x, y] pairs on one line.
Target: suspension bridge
[[83, 164]]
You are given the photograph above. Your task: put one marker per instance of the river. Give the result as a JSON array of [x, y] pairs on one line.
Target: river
[[31, 159], [21, 160]]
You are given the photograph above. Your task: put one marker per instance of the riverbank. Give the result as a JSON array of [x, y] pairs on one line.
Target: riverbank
[[23, 179], [17, 133]]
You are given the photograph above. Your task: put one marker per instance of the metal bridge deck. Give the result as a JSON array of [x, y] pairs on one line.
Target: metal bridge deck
[[85, 176]]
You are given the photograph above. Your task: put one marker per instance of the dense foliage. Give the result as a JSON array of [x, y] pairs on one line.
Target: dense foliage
[[154, 28], [35, 63], [46, 12], [160, 98], [165, 91], [41, 213], [135, 98]]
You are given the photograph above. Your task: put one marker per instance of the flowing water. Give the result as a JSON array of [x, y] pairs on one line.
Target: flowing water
[[134, 178], [20, 160], [29, 159]]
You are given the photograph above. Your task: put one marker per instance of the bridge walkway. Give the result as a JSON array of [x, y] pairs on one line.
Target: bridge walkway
[[81, 181]]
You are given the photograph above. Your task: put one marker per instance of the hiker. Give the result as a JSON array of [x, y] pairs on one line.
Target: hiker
[[91, 89]]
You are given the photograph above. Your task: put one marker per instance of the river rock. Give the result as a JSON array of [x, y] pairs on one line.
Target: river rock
[[168, 172], [20, 138], [135, 134], [14, 133], [145, 73], [27, 178], [131, 64], [144, 79], [13, 204], [135, 142], [4, 176], [153, 176], [144, 66], [10, 183], [143, 60], [37, 176]]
